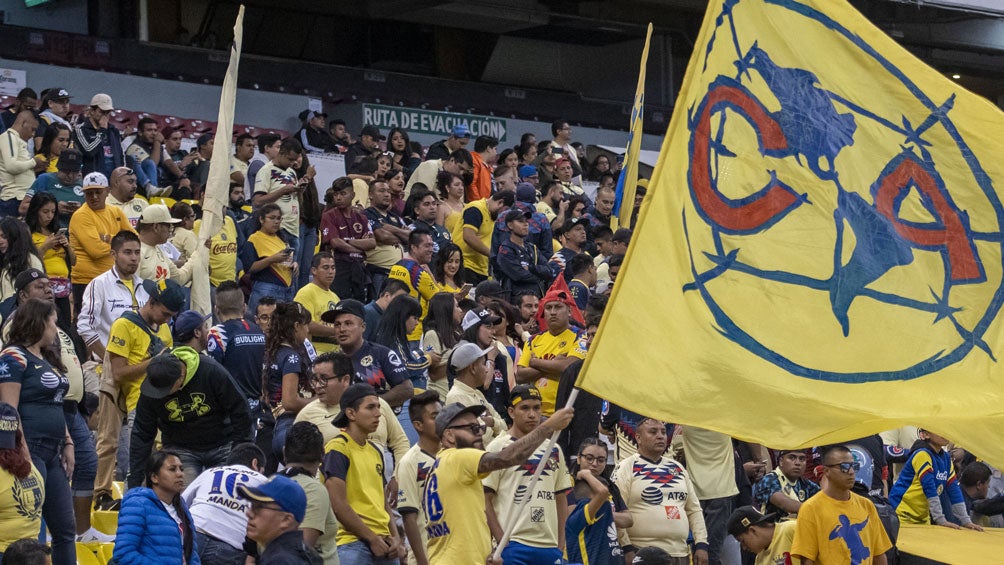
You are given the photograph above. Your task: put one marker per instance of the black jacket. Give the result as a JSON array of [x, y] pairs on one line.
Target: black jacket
[[208, 412], [289, 549], [523, 268], [92, 143]]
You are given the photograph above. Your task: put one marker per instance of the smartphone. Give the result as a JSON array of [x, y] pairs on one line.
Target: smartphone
[[289, 251], [62, 232], [466, 289], [558, 150]]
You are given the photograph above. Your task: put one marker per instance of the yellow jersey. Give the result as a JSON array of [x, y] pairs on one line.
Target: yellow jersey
[[361, 468], [222, 252], [549, 346], [90, 237], [421, 285], [266, 245], [318, 300], [54, 258], [476, 217], [126, 339], [453, 505], [839, 531], [20, 506]]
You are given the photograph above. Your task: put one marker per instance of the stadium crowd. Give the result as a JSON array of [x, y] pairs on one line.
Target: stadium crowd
[[384, 362]]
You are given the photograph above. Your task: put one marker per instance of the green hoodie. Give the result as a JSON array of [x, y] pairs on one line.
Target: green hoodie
[[190, 358]]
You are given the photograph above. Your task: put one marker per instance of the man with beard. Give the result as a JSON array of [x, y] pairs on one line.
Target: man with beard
[[474, 233], [453, 500]]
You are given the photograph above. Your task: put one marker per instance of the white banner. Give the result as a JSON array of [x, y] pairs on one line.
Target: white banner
[[12, 81]]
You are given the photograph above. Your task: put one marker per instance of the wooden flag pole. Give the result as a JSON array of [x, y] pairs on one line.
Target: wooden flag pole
[[514, 517]]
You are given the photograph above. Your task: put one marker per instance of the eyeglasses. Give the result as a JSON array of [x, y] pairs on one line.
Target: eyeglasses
[[258, 507], [476, 429], [846, 467], [590, 459], [322, 379]]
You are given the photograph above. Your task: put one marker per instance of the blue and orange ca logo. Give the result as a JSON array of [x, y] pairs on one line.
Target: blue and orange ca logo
[[839, 225]]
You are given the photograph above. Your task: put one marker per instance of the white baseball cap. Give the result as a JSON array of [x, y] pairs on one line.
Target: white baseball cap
[[102, 101], [95, 180], [465, 354], [157, 214]]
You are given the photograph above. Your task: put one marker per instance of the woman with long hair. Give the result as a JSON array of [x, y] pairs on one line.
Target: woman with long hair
[[403, 153], [17, 254], [286, 378], [154, 523], [398, 321], [52, 244], [479, 328], [55, 139], [22, 494], [442, 332], [395, 179], [451, 189], [269, 262], [592, 457], [33, 381], [599, 167], [448, 267], [509, 342]]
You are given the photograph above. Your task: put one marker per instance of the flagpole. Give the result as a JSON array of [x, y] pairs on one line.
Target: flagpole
[[515, 515], [218, 182]]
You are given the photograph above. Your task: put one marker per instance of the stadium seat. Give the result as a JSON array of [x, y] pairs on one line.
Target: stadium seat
[[166, 201], [105, 521], [85, 556]]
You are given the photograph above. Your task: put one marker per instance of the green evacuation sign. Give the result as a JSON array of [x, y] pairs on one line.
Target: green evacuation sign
[[430, 121]]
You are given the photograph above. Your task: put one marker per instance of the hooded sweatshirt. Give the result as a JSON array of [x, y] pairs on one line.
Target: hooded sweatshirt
[[207, 412]]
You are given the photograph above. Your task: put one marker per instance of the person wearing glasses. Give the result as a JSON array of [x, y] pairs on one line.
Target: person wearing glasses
[[453, 501], [356, 475], [98, 140], [781, 492], [274, 516], [836, 525], [269, 260], [471, 367]]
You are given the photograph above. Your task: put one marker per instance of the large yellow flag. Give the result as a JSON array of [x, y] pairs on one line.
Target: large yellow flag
[[820, 258], [627, 182]]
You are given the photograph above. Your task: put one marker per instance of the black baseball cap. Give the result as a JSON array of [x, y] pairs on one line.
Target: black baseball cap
[[523, 392], [69, 161], [161, 374], [347, 306], [517, 214], [26, 278], [573, 222], [167, 292], [744, 517], [490, 289], [373, 132], [351, 395]]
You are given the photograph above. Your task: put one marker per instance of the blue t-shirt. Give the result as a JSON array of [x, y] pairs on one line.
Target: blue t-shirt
[[378, 367], [42, 390], [580, 293], [287, 361], [239, 345], [597, 535], [49, 182]]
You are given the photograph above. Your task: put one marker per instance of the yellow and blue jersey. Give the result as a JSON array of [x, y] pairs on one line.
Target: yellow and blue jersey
[[925, 475]]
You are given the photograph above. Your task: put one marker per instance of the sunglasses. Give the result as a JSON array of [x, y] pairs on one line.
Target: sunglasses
[[476, 429], [847, 467]]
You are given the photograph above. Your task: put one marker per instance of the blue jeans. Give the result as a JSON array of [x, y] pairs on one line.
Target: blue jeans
[[195, 462], [212, 550], [85, 467], [405, 420], [57, 509], [146, 172], [358, 553], [518, 554], [259, 289], [305, 254], [9, 207], [282, 425]]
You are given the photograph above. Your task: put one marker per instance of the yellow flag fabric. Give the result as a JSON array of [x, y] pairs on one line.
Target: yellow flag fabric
[[819, 256], [627, 182], [217, 191]]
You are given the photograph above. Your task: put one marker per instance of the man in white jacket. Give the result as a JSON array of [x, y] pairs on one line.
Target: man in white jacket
[[111, 293], [17, 165]]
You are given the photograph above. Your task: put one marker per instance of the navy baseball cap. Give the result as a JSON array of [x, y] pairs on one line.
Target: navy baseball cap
[[186, 323], [281, 490], [167, 292]]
